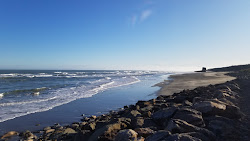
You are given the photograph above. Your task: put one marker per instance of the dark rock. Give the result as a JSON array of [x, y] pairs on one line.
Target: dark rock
[[127, 121], [132, 114], [164, 114], [75, 126], [181, 137], [143, 104], [179, 99], [147, 114], [158, 136], [144, 132], [138, 122], [191, 116], [107, 132], [147, 108], [149, 123], [197, 99], [181, 126], [90, 126], [83, 135], [27, 135], [197, 135], [126, 135]]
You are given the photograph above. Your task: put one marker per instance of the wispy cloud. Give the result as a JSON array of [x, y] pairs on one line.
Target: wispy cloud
[[141, 17], [145, 14], [133, 20]]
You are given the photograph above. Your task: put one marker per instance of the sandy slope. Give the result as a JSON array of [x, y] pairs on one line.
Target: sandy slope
[[191, 81]]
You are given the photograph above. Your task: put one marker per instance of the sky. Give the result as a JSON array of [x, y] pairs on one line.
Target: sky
[[171, 35]]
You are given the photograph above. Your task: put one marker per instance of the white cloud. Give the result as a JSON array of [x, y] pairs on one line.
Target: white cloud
[[145, 14]]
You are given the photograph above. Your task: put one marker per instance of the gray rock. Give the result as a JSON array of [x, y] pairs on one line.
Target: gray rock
[[209, 107], [126, 135], [158, 136], [164, 114], [181, 126], [191, 116]]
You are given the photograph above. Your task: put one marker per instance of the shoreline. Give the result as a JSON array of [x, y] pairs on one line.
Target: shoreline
[[209, 112]]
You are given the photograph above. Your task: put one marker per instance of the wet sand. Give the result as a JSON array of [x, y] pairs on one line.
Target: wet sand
[[177, 83]]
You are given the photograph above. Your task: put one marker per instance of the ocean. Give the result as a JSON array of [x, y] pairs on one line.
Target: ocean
[[23, 92]]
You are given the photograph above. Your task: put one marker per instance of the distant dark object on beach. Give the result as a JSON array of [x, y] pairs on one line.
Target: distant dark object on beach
[[204, 69]]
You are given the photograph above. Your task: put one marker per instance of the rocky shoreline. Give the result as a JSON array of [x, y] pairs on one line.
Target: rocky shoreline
[[205, 113]]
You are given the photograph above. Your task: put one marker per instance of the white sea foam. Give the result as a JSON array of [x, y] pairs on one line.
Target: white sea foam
[[95, 82], [10, 110], [1, 95]]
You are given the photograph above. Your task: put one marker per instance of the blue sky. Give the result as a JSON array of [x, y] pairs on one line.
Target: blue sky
[[124, 34]]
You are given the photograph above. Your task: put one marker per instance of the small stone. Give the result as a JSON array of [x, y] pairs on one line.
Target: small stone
[[47, 128], [49, 131]]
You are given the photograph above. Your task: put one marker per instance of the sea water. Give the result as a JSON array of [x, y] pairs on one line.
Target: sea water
[[25, 92]]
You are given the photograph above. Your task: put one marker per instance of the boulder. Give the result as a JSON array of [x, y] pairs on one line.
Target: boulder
[[90, 126], [69, 131], [217, 107], [131, 114], [147, 108], [144, 132], [197, 135], [209, 107], [126, 135], [164, 114], [181, 126], [149, 123], [143, 104], [191, 116], [158, 136], [181, 137], [126, 121], [107, 132], [221, 126]]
